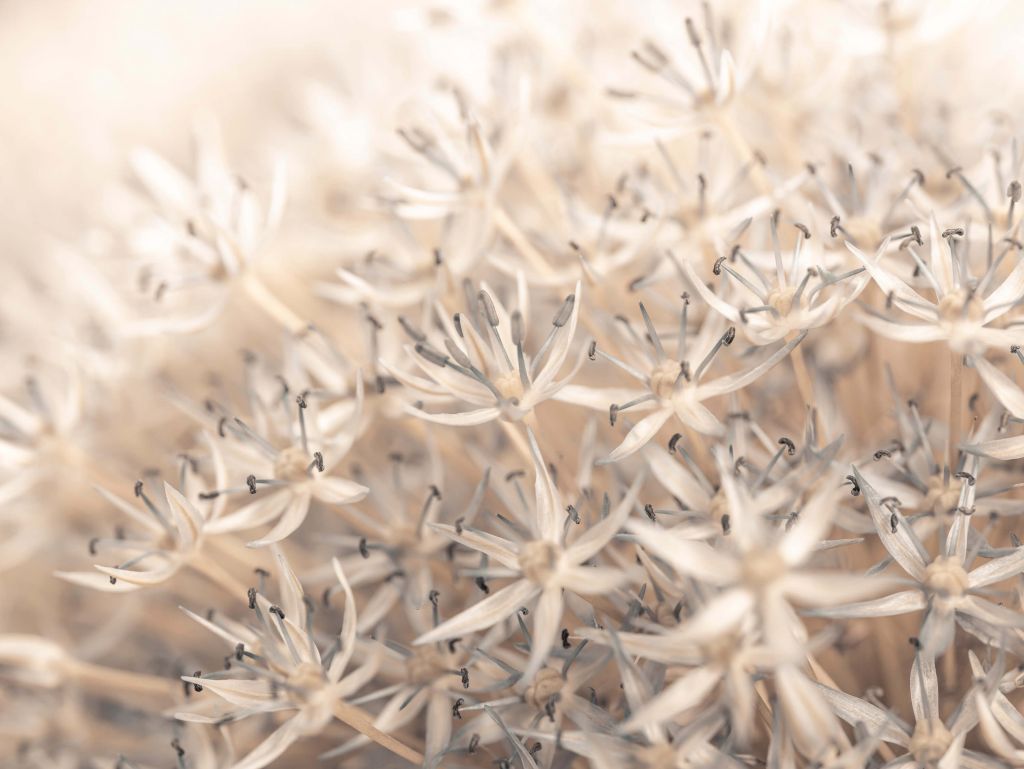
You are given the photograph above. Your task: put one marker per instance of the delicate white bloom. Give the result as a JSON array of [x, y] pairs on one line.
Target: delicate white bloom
[[543, 566]]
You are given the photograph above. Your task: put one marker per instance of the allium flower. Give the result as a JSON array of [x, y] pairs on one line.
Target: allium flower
[[931, 741], [485, 364], [202, 237], [288, 672], [802, 295], [293, 475], [543, 566], [672, 386], [175, 533], [943, 584], [757, 569], [963, 313]]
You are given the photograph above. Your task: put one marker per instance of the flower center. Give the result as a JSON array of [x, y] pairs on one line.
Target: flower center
[[930, 741], [537, 561], [940, 499], [546, 684], [781, 300], [946, 577], [762, 568], [291, 464], [658, 756], [510, 386], [959, 305], [306, 677], [426, 664], [663, 378]]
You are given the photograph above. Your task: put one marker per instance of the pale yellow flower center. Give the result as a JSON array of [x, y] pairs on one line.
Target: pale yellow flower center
[[547, 683], [291, 464], [781, 299], [930, 741], [510, 385], [537, 560], [952, 310], [946, 577], [940, 499], [427, 664], [760, 569], [663, 378]]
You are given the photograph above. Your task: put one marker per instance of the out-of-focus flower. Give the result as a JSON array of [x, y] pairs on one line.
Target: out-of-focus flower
[[543, 566]]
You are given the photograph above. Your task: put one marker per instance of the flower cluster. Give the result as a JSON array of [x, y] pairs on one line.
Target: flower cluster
[[640, 392]]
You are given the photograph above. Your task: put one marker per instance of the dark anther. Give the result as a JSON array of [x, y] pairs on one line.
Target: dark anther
[[363, 549], [894, 522], [239, 651], [833, 226], [803, 229], [565, 638], [455, 710], [972, 402], [432, 596], [854, 486], [965, 477], [673, 441], [451, 644], [790, 446], [717, 269], [177, 747], [220, 426], [726, 525], [474, 743], [326, 597], [138, 488], [524, 611], [197, 687], [482, 584], [250, 481], [458, 524], [573, 513], [113, 580], [514, 474], [915, 642], [729, 336], [649, 510], [592, 350], [613, 413], [318, 461], [957, 232], [464, 676], [252, 597], [882, 453], [278, 611], [92, 545]]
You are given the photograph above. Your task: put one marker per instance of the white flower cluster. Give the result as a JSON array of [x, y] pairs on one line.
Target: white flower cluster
[[631, 387]]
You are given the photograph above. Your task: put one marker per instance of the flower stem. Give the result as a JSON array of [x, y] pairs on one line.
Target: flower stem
[[274, 307], [511, 230], [361, 721], [956, 410], [112, 679]]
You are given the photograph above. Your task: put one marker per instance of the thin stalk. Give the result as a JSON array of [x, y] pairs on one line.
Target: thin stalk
[[362, 722], [956, 410]]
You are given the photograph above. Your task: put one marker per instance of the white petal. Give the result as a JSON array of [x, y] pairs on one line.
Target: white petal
[[695, 559], [903, 544], [277, 743], [1001, 386], [1000, 448], [487, 612], [997, 570], [889, 606], [291, 519], [547, 618], [338, 491], [461, 419], [640, 434], [855, 711], [600, 534], [678, 697]]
